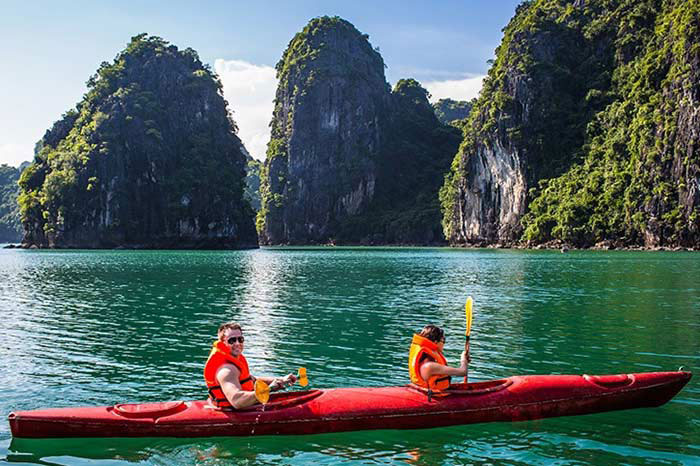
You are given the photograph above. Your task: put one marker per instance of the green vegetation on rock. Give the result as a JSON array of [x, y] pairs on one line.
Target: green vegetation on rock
[[320, 165], [642, 158]]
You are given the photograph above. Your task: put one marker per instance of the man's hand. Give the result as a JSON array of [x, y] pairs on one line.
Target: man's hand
[[280, 383], [465, 359], [290, 379]]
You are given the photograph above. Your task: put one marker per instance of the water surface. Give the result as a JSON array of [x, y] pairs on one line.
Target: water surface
[[100, 327]]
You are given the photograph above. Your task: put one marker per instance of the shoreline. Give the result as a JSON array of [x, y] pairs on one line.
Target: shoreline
[[524, 247]]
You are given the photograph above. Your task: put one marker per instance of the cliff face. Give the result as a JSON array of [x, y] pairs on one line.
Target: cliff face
[[10, 225], [415, 153], [528, 124], [149, 158], [320, 165], [666, 210], [585, 130], [252, 182]]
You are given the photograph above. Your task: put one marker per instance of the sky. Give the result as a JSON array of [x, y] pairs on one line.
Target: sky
[[50, 49]]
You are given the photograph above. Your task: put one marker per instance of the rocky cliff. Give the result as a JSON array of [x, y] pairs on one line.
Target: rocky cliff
[[345, 156], [585, 130], [149, 158], [320, 165], [416, 151], [10, 225], [252, 182]]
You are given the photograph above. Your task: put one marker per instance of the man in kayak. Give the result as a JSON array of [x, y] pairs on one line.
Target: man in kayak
[[427, 365], [230, 384]]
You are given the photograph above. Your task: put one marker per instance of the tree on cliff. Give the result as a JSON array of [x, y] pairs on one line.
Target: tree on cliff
[[148, 158]]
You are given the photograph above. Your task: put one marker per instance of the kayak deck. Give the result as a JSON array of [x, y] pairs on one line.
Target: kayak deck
[[517, 398]]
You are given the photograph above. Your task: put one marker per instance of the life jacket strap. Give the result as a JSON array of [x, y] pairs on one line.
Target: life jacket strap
[[216, 401]]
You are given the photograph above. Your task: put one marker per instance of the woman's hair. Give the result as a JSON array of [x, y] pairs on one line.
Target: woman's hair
[[433, 333]]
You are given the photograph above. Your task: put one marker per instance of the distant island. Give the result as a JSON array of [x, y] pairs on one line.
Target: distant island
[[148, 159], [585, 134]]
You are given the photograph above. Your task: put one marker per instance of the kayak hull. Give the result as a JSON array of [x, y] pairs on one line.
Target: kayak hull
[[517, 398]]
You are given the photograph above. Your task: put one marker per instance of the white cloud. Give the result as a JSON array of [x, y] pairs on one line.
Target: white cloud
[[459, 89], [14, 154], [250, 91]]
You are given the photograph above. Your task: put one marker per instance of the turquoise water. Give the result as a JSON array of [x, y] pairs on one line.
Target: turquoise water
[[100, 327]]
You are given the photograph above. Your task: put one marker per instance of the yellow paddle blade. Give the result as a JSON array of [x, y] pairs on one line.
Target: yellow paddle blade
[[301, 375], [262, 391], [468, 311]]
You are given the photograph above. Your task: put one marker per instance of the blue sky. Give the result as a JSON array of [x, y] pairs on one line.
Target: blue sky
[[50, 49]]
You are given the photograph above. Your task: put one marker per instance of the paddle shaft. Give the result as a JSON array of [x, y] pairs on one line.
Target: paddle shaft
[[468, 314], [466, 349]]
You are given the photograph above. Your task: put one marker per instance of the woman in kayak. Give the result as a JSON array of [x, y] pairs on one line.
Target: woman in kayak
[[427, 365]]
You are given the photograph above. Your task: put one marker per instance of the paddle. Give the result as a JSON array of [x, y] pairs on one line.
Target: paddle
[[262, 390], [468, 312], [301, 376]]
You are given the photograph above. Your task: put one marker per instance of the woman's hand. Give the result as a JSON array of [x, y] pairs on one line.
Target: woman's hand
[[465, 359]]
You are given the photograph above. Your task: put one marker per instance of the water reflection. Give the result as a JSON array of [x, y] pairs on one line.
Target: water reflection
[[261, 309]]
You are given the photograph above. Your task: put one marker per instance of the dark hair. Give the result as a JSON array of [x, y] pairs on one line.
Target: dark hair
[[228, 325], [433, 333]]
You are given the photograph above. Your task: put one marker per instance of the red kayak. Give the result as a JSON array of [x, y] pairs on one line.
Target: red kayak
[[518, 398]]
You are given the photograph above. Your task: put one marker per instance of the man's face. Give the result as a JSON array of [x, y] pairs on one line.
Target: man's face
[[233, 339]]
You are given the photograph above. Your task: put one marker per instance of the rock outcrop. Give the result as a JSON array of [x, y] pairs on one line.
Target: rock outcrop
[[346, 153], [149, 158], [416, 151], [325, 137]]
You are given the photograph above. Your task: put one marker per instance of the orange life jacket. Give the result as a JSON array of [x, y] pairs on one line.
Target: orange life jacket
[[423, 350], [220, 355]]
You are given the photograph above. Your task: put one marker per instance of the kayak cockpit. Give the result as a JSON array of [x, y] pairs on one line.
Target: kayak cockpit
[[473, 388], [148, 410], [284, 400]]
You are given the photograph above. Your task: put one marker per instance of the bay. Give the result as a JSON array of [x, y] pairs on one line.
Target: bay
[[100, 327]]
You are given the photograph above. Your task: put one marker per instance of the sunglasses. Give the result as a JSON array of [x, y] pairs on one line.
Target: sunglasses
[[232, 340]]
